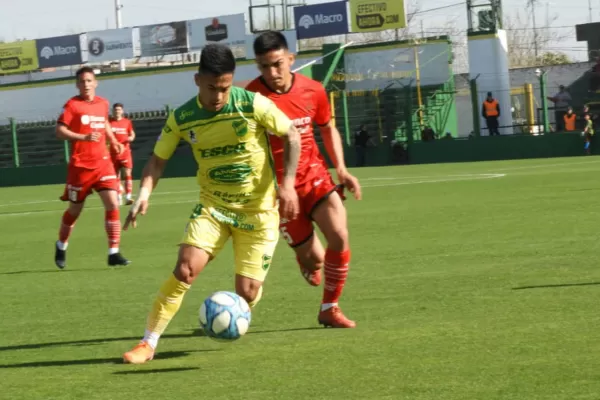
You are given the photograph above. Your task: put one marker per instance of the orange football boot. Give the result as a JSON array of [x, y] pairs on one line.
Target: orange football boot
[[139, 354], [333, 317]]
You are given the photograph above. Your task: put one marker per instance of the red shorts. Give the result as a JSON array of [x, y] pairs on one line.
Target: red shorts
[[123, 160], [310, 194], [81, 181]]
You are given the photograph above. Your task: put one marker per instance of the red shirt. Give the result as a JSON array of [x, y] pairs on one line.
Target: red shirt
[[305, 103], [121, 129], [85, 117]]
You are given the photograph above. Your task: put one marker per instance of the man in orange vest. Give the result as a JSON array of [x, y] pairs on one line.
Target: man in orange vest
[[491, 112], [570, 119]]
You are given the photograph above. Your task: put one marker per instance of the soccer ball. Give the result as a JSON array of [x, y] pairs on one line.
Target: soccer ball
[[225, 316]]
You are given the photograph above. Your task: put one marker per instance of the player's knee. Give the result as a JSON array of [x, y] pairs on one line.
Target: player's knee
[[75, 209], [249, 289], [184, 272], [338, 239]]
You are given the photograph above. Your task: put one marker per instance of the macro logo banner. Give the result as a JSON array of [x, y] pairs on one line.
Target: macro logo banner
[[161, 39], [18, 57], [59, 51], [229, 30], [109, 45], [320, 20], [377, 15]]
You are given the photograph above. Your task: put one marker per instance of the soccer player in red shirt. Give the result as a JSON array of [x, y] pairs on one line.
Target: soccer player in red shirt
[[84, 122], [305, 102], [122, 129]]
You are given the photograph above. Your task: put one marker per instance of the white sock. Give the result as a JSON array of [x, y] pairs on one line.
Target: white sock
[[128, 196], [113, 250], [151, 338], [61, 246], [327, 306]]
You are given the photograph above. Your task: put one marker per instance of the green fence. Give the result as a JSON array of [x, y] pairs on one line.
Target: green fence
[[34, 144]]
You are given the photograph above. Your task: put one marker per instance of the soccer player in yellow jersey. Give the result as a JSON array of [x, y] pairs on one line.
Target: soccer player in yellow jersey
[[227, 129]]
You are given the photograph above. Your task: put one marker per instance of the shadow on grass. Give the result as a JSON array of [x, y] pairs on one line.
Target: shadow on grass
[[134, 339], [94, 361], [155, 371], [54, 270], [559, 285]]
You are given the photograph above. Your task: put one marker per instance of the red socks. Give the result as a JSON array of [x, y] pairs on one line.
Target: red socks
[[66, 226], [112, 224], [336, 272]]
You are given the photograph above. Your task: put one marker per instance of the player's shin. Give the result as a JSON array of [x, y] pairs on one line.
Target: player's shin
[[165, 307], [336, 272], [112, 224], [128, 186]]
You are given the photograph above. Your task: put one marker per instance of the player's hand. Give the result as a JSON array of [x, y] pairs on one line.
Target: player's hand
[[351, 183], [289, 206], [118, 147], [138, 208], [93, 137]]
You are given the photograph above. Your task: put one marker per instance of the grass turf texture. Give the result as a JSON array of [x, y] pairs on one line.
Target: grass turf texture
[[464, 287]]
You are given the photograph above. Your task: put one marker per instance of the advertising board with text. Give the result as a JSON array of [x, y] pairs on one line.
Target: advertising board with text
[[18, 57], [377, 15]]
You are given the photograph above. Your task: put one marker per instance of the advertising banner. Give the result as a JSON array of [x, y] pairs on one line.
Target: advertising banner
[[377, 15], [318, 20], [59, 51], [18, 57], [110, 45], [161, 39], [228, 29]]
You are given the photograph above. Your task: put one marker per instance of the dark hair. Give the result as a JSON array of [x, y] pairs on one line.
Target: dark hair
[[269, 41], [216, 59], [84, 70], [118, 105]]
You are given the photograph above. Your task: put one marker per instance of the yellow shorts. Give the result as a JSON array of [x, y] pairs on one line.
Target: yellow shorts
[[255, 236]]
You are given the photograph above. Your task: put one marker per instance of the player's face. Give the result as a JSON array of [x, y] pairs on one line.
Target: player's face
[[87, 84], [276, 68], [214, 90], [118, 111]]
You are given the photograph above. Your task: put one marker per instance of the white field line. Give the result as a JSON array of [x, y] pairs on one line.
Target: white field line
[[433, 179]]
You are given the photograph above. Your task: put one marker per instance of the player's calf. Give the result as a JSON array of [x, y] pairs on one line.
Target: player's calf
[[250, 289]]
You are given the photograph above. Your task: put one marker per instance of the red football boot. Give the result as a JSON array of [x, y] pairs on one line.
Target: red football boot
[[333, 317]]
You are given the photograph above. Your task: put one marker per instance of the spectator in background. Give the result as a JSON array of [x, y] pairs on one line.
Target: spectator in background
[[427, 134], [361, 141], [569, 120], [490, 110], [562, 101]]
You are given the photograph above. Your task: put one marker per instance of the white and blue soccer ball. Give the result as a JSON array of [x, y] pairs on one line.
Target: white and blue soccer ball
[[225, 316]]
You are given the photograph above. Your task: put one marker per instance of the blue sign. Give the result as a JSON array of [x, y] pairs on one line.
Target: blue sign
[[59, 51], [318, 20]]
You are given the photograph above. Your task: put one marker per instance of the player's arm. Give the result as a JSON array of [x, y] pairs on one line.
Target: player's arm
[[153, 170], [275, 121], [333, 143], [131, 136], [63, 132]]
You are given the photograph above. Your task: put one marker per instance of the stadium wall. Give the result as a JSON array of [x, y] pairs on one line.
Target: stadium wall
[[154, 88]]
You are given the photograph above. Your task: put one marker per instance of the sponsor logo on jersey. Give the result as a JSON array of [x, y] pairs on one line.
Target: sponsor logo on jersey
[[223, 150], [232, 173]]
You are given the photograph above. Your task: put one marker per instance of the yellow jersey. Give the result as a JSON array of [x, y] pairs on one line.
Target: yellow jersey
[[231, 147]]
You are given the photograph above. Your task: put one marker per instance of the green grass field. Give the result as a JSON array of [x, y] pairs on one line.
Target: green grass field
[[468, 281]]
